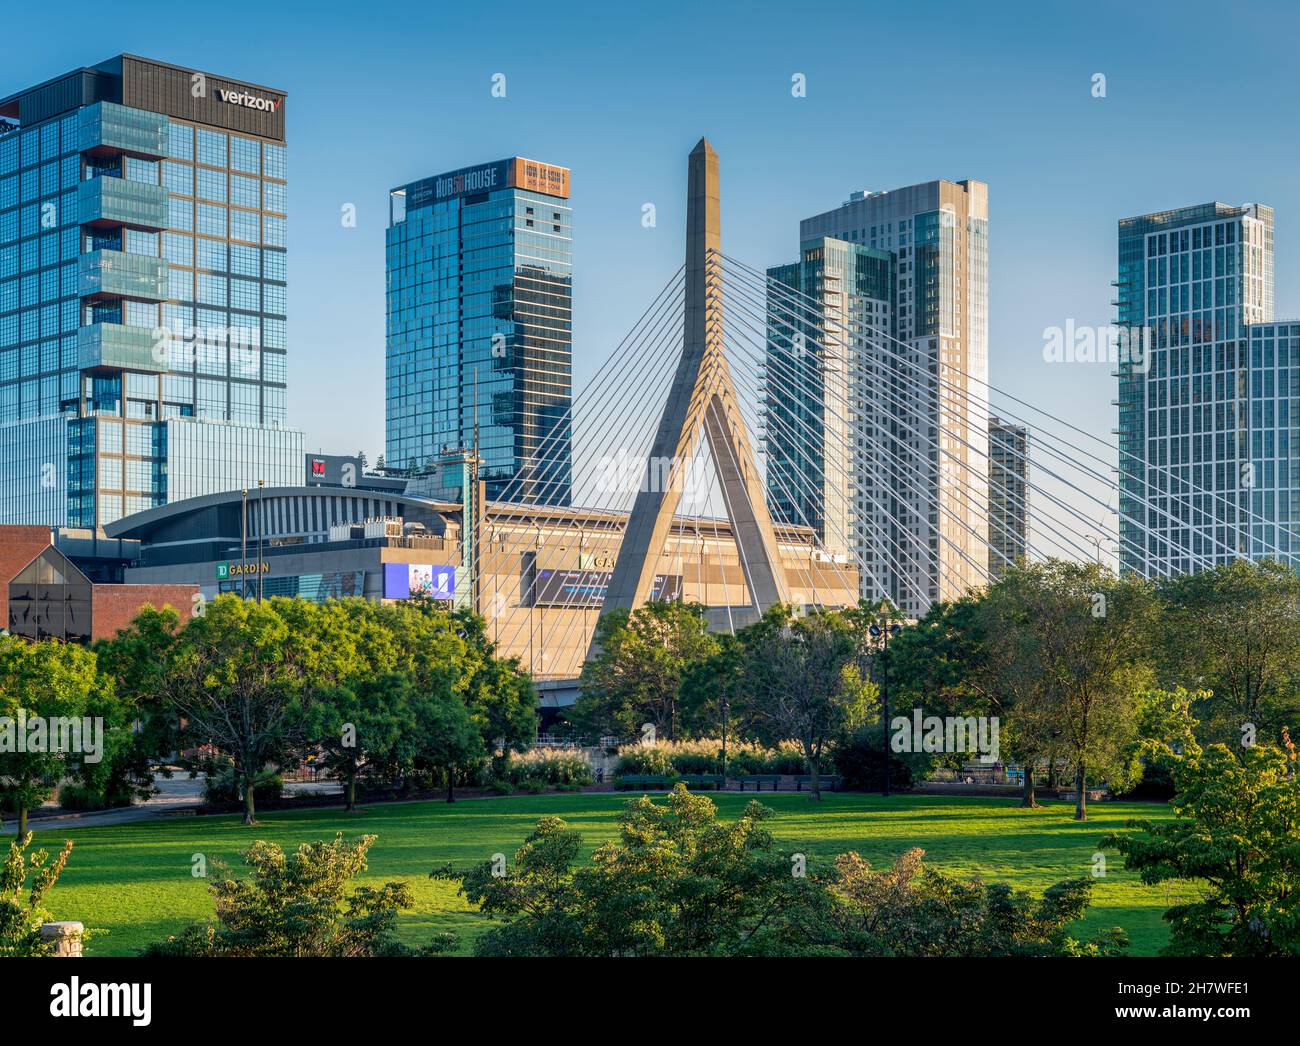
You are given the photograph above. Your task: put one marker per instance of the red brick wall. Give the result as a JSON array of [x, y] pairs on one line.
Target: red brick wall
[[18, 547], [114, 607]]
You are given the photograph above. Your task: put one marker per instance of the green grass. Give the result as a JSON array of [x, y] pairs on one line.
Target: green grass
[[135, 881]]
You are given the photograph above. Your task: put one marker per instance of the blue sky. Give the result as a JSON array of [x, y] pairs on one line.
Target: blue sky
[[1200, 105]]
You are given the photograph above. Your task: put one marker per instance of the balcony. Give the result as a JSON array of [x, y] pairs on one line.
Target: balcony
[[120, 347], [106, 202], [119, 275], [108, 129]]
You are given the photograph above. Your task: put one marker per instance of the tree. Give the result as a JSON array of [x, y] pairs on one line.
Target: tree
[[237, 675], [361, 725], [21, 917], [497, 692], [138, 660], [1234, 630], [676, 883], [45, 686], [298, 905], [910, 910], [799, 683], [445, 736], [1237, 834], [636, 676], [1079, 638], [711, 691]]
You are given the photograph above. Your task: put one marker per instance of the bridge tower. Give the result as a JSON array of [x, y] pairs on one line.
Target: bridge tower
[[702, 398]]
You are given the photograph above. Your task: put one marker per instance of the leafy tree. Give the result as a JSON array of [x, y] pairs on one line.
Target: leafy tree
[[1078, 638], [1234, 630], [676, 883], [1237, 834], [712, 692], [46, 681], [642, 659], [799, 682], [445, 737], [138, 660], [361, 725], [497, 692], [910, 910], [298, 905], [237, 676], [21, 917], [679, 883]]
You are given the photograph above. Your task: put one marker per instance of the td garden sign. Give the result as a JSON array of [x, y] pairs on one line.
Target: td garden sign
[[229, 570]]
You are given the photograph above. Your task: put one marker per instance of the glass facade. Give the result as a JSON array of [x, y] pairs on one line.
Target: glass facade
[[922, 418], [479, 327], [1205, 414], [142, 290], [819, 428]]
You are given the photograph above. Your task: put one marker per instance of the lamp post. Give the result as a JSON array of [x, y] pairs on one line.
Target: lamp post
[[881, 634], [243, 547], [260, 527]]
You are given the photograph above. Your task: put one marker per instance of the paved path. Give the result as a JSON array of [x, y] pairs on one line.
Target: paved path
[[175, 795]]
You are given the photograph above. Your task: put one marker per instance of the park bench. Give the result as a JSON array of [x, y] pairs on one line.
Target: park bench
[[642, 781], [830, 781], [703, 780], [759, 780]]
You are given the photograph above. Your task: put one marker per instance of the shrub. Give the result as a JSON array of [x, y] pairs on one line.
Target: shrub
[[81, 797], [223, 786], [860, 761], [548, 765], [532, 785], [704, 756]]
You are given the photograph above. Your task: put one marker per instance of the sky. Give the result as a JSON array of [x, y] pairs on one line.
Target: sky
[[1199, 105]]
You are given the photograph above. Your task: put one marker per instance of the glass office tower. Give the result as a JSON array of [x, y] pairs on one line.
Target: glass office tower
[[479, 326], [1204, 412], [142, 292]]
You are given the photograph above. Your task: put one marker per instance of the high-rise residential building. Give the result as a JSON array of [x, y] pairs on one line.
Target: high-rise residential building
[[823, 442], [142, 292], [1008, 495], [1209, 465], [922, 417], [479, 326]]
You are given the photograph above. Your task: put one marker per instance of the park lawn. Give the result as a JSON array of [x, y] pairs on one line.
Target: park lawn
[[134, 880]]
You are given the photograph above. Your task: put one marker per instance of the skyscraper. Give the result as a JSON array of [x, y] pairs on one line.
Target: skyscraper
[[479, 326], [1008, 495], [142, 292], [1209, 465], [824, 460], [924, 420]]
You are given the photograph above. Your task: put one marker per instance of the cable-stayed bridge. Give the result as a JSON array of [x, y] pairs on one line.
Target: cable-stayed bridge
[[751, 441]]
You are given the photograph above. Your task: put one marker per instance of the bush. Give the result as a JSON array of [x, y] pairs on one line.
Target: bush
[[85, 797], [548, 765], [222, 786], [860, 761], [676, 758], [532, 785], [1157, 783], [500, 787]]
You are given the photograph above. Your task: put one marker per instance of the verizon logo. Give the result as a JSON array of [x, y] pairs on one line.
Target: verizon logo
[[249, 101]]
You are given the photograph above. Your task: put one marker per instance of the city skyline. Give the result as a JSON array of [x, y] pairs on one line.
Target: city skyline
[[1047, 153]]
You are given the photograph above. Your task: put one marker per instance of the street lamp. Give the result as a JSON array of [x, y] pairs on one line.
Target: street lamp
[[882, 636]]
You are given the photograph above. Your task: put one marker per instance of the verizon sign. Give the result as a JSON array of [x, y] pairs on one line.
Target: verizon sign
[[249, 101]]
